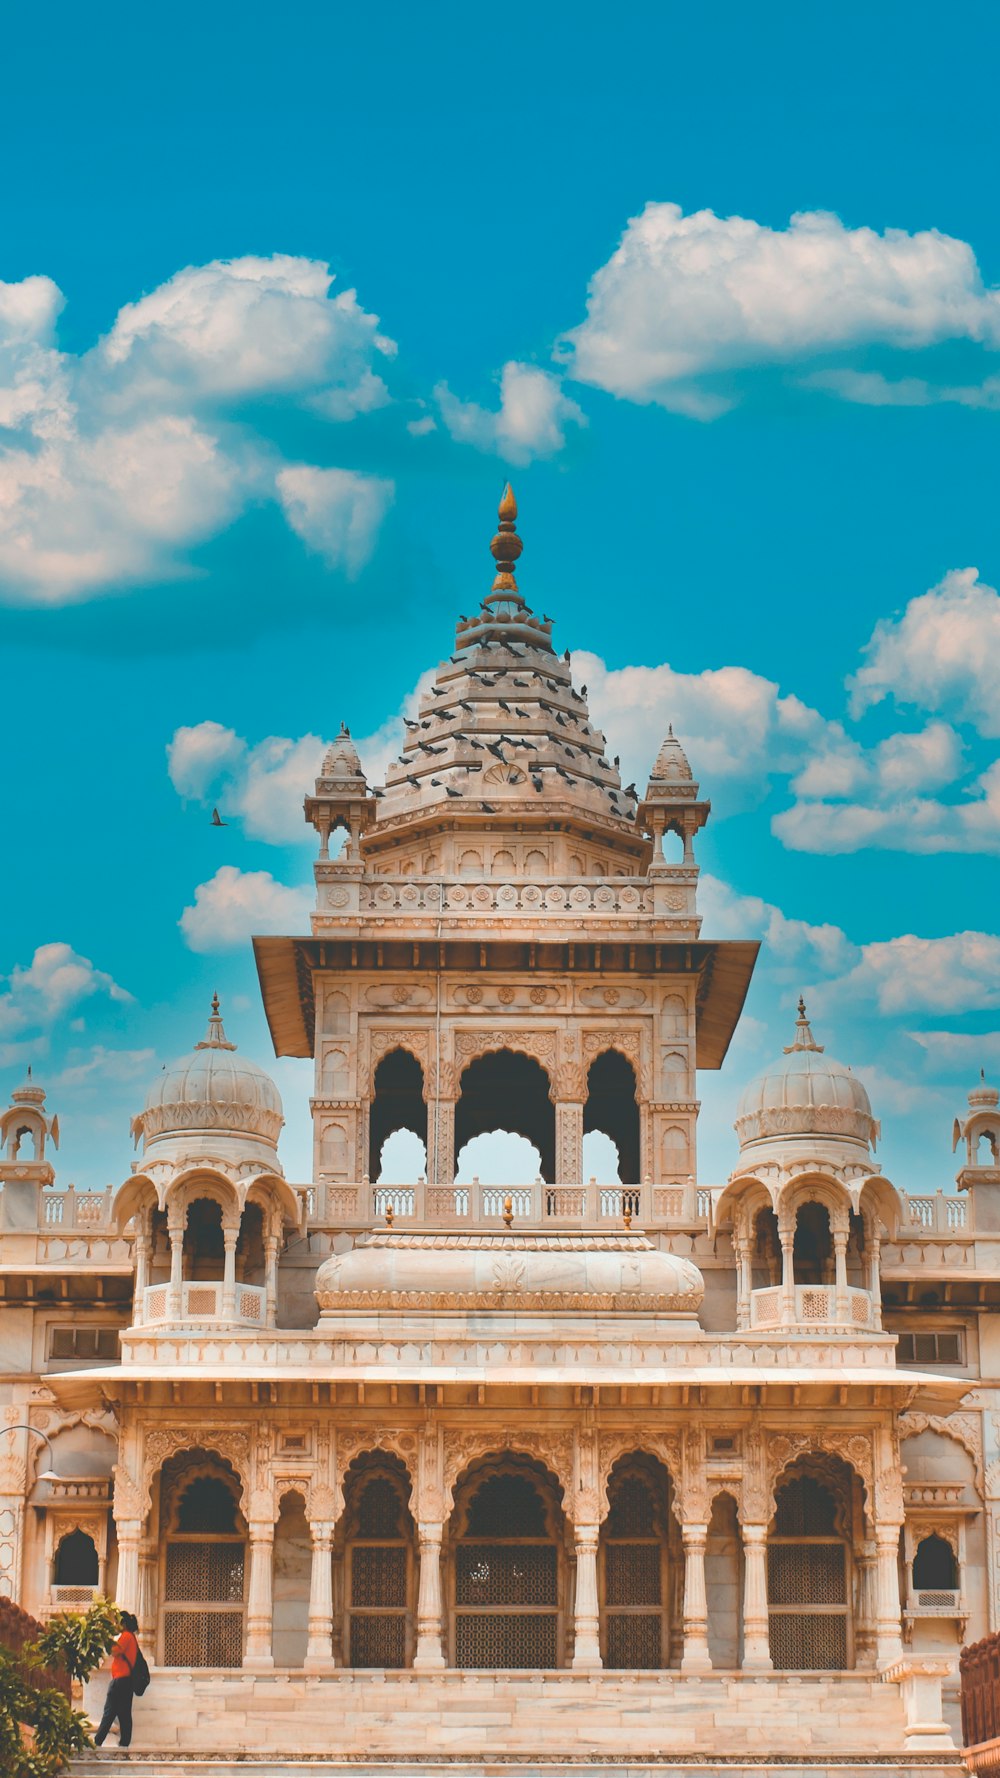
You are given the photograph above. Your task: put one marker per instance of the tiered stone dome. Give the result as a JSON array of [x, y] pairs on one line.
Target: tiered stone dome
[[211, 1091], [805, 1092]]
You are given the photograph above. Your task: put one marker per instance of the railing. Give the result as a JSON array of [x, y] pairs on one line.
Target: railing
[[815, 1306], [535, 1206], [598, 897], [943, 1213], [202, 1300], [71, 1209], [979, 1667], [71, 1598], [935, 1602]]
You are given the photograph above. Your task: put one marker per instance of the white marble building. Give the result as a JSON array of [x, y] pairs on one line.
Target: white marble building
[[555, 1467]]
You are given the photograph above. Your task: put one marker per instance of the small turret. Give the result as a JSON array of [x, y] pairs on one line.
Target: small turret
[[979, 1129], [341, 798], [671, 803], [24, 1170]]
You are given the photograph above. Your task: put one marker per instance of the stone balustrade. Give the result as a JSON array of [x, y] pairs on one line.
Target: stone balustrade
[[202, 1300], [669, 895], [534, 1206], [815, 1305], [71, 1209]]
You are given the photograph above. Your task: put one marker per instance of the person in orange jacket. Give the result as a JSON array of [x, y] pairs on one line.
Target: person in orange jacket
[[118, 1703]]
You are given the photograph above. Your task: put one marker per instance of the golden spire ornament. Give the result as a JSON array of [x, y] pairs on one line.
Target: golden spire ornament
[[506, 545]]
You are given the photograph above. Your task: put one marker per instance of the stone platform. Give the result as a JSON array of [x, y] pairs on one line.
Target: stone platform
[[168, 1765], [361, 1719]]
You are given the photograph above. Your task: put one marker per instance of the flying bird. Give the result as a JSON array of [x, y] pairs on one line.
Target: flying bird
[[217, 820], [630, 790], [408, 724]]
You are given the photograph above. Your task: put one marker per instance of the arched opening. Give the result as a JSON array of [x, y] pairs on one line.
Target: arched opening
[[378, 1564], [398, 1104], [291, 1570], [507, 1569], [673, 846], [611, 1106], [404, 1159], [724, 1584], [987, 1149], [808, 1568], [250, 1262], [857, 1275], [203, 1563], [600, 1159], [812, 1252], [76, 1563], [22, 1136], [633, 1569], [499, 1158], [508, 1091], [934, 1567], [204, 1244], [765, 1257]]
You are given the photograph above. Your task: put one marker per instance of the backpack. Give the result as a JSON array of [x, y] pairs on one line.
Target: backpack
[[140, 1673]]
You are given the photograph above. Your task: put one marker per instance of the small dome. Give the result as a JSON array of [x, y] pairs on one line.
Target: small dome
[[983, 1097], [212, 1089], [392, 1270], [671, 761], [806, 1093], [341, 759]]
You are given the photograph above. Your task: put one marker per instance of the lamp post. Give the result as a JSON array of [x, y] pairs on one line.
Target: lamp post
[[47, 1475]]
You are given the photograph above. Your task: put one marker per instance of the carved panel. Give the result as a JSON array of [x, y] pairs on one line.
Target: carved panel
[[232, 1443], [553, 1449], [965, 1429]]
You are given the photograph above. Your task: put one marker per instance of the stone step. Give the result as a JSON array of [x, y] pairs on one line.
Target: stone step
[[181, 1765]]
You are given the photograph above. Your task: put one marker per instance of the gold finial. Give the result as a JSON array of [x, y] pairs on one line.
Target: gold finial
[[508, 1209], [506, 545], [215, 1005], [628, 1212], [389, 1213]]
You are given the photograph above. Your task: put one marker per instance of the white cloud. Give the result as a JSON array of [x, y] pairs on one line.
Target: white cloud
[[253, 326], [959, 1052], [337, 512], [262, 785], [235, 904], [941, 654], [872, 389], [791, 944], [684, 299], [957, 973], [121, 460], [531, 421], [910, 824], [100, 1065], [43, 991]]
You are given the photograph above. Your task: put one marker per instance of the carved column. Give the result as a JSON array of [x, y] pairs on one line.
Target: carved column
[[270, 1279], [840, 1303], [569, 1142], [230, 1237], [146, 1613], [141, 1251], [441, 1141], [175, 1231], [867, 1605], [429, 1653], [127, 1595], [888, 1637], [756, 1640], [258, 1654], [696, 1658], [586, 1618], [874, 1272], [319, 1650], [744, 1277], [786, 1235]]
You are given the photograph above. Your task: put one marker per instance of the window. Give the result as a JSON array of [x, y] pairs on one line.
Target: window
[[93, 1343], [930, 1348], [807, 1580]]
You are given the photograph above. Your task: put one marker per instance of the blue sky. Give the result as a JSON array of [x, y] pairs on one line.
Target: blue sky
[[755, 456]]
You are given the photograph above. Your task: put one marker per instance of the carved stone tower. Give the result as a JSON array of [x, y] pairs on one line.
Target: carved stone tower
[[501, 943]]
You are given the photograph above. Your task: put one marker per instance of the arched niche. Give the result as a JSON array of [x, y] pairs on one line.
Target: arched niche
[[507, 1090], [818, 1516], [76, 1560], [292, 1569], [638, 1570], [611, 1107], [202, 1562], [506, 1567], [376, 1564]]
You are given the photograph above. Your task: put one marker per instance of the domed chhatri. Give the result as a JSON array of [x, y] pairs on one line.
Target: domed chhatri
[[805, 1092], [211, 1091], [491, 1272]]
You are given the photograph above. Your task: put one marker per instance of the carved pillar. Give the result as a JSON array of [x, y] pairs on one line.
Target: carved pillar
[[230, 1237], [259, 1596], [430, 1623], [874, 1272], [569, 1142], [146, 1613], [867, 1605], [270, 1279], [840, 1303], [441, 1141], [744, 1281], [756, 1640], [319, 1650], [175, 1231], [127, 1593], [786, 1235], [586, 1617], [888, 1637], [696, 1658], [141, 1251]]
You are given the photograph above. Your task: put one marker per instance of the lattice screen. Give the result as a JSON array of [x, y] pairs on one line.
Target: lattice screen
[[379, 1509], [506, 1574], [378, 1576], [212, 1572], [634, 1640], [378, 1641], [492, 1639], [801, 1641], [806, 1574], [632, 1511], [632, 1574], [203, 1638]]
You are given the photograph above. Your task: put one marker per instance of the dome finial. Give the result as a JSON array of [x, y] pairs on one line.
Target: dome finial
[[804, 1039], [506, 545], [215, 1037]]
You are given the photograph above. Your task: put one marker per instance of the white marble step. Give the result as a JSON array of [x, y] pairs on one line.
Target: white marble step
[[179, 1765]]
